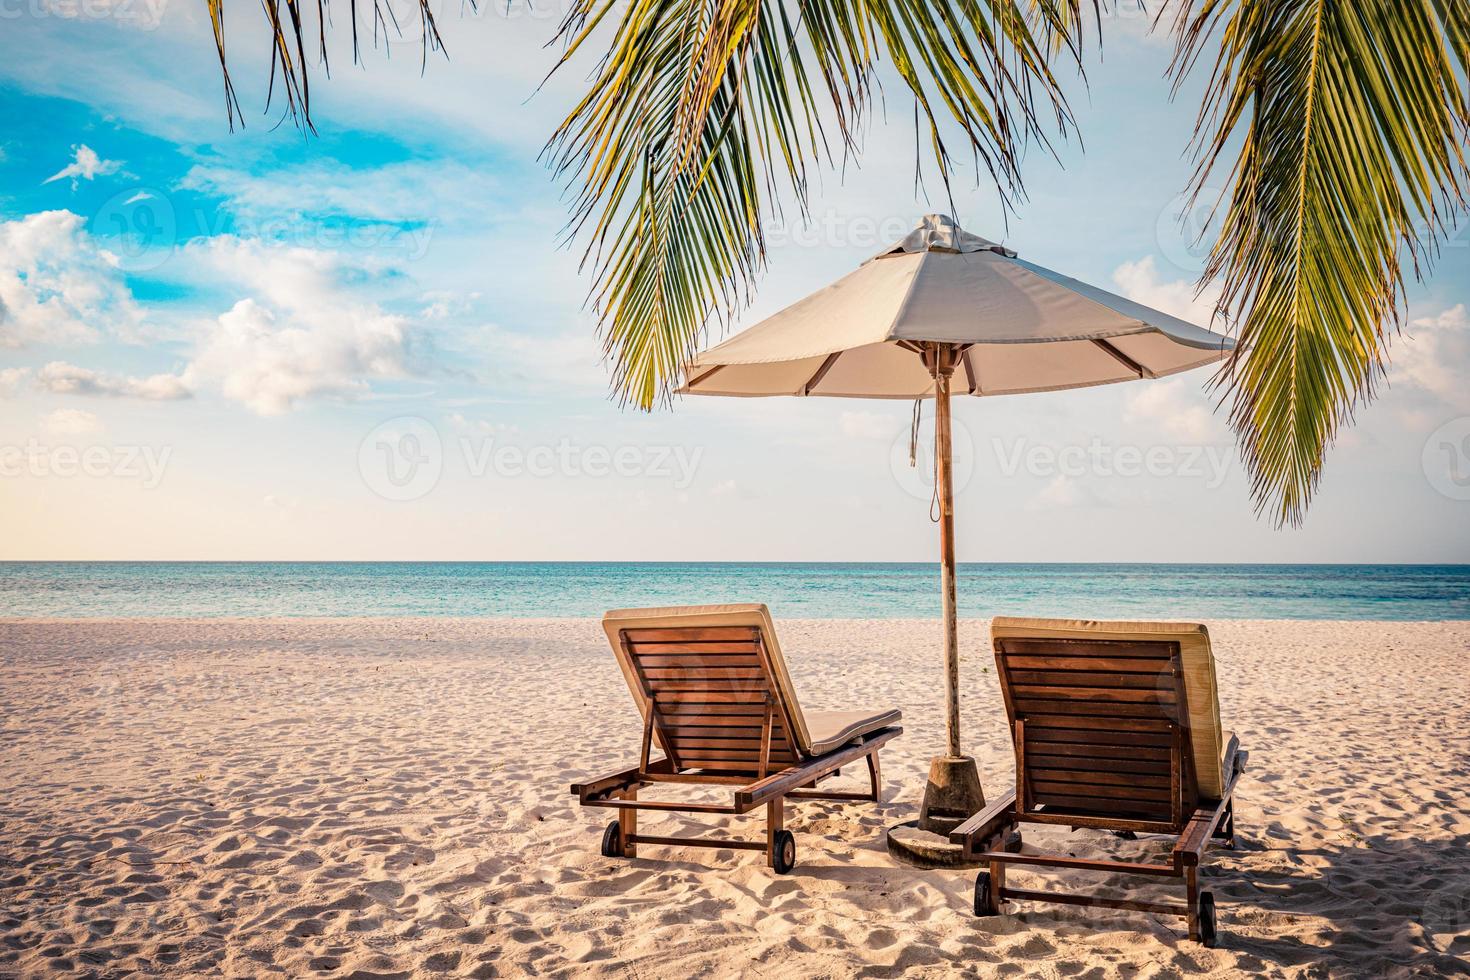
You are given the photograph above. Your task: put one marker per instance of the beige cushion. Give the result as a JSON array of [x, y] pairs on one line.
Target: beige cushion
[[831, 730], [1199, 676], [817, 733]]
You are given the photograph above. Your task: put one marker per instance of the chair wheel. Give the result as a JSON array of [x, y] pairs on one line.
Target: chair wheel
[[1013, 842], [612, 840], [784, 852], [1207, 935], [1125, 835], [984, 907]]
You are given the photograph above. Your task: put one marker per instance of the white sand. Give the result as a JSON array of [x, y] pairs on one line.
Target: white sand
[[389, 798]]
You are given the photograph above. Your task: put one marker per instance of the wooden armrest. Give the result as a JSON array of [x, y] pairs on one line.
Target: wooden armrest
[[984, 825], [1206, 818], [620, 780], [795, 777]]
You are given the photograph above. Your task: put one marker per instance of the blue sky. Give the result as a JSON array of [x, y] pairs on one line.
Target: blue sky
[[371, 344]]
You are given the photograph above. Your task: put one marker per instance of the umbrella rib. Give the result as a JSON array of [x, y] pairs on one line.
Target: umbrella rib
[[821, 372], [970, 372], [1124, 359], [705, 376]]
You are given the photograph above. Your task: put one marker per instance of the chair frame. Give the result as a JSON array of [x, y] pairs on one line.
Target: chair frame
[[1193, 821], [755, 775]]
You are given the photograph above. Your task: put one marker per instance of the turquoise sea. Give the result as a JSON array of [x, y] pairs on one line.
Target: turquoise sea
[[792, 590]]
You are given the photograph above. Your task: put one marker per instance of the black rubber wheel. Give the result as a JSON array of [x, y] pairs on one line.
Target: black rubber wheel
[[1013, 842], [984, 907], [612, 840], [1207, 935], [785, 852], [1125, 835]]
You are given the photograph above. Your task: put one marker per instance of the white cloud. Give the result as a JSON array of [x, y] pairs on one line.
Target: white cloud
[[61, 378], [1140, 282], [11, 379], [1430, 363], [57, 286], [270, 364], [304, 334], [85, 165], [70, 422], [1178, 407]]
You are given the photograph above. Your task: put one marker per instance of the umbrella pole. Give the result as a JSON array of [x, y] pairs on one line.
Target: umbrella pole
[[944, 486], [953, 791]]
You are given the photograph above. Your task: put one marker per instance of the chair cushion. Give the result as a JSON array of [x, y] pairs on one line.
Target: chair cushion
[[1199, 676], [830, 730]]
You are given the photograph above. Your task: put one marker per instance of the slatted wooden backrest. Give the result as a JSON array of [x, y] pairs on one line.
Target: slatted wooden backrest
[[711, 698], [1100, 730]]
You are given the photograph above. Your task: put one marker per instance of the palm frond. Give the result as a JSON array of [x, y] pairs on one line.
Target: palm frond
[[289, 31], [703, 116], [1347, 121]]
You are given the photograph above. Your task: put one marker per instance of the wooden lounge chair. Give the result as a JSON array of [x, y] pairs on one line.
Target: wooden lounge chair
[[714, 694], [1116, 726]]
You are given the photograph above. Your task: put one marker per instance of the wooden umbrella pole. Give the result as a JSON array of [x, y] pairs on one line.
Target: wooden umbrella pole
[[943, 370]]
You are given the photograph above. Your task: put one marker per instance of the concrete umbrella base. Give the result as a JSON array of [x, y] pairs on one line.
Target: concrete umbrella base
[[951, 796], [909, 844]]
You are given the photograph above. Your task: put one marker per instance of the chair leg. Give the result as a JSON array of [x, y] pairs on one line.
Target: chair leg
[[997, 883], [1226, 831], [775, 819], [628, 824], [875, 775], [1191, 893]]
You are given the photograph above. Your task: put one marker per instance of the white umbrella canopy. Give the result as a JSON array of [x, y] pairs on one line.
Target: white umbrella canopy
[[944, 309], [1025, 328]]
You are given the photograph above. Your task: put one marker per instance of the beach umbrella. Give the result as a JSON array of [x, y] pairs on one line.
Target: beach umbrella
[[944, 311]]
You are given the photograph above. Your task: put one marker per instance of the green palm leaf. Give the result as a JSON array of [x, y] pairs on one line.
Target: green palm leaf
[[288, 31], [704, 114], [1350, 118]]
